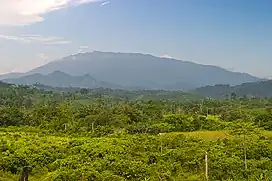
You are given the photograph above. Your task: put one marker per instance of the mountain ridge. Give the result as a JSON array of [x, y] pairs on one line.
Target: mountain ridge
[[143, 70], [251, 89], [141, 54], [61, 79]]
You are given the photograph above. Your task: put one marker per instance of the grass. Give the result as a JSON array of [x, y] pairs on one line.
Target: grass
[[208, 135], [267, 133], [214, 135]]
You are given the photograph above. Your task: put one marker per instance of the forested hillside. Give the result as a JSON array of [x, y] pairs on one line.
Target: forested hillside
[[81, 134], [253, 89], [61, 79]]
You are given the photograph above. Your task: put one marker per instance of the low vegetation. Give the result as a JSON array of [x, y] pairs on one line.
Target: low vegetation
[[95, 135]]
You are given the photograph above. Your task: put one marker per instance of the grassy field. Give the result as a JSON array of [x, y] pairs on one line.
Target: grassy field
[[214, 135], [207, 135]]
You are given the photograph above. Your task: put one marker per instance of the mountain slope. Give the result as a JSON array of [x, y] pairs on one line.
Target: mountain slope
[[146, 71], [60, 79], [11, 75], [256, 89]]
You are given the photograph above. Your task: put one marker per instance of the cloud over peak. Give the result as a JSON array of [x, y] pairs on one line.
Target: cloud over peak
[[23, 12]]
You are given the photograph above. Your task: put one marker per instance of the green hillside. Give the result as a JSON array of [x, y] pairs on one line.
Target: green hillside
[[253, 89]]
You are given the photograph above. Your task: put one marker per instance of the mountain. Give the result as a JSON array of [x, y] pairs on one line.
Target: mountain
[[253, 89], [60, 79], [145, 71], [11, 75]]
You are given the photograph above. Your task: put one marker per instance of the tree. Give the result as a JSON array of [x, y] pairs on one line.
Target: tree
[[233, 96], [84, 91], [245, 130]]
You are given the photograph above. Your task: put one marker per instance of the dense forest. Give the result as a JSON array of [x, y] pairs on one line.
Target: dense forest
[[68, 134], [250, 89]]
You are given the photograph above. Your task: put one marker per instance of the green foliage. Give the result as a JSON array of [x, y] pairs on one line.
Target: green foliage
[[119, 135], [11, 116], [132, 157]]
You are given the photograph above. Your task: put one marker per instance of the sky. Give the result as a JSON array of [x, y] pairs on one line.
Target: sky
[[233, 34]]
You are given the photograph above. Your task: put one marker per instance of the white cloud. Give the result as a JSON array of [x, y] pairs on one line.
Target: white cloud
[[23, 12], [50, 40], [79, 2], [167, 56], [105, 3]]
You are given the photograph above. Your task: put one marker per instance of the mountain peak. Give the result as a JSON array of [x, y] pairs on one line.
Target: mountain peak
[[144, 70], [58, 73]]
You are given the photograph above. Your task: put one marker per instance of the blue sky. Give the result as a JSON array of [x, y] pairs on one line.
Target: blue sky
[[233, 34]]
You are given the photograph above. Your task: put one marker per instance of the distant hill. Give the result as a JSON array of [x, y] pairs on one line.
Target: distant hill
[[141, 71], [255, 89], [127, 94], [4, 85], [11, 75], [60, 79]]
